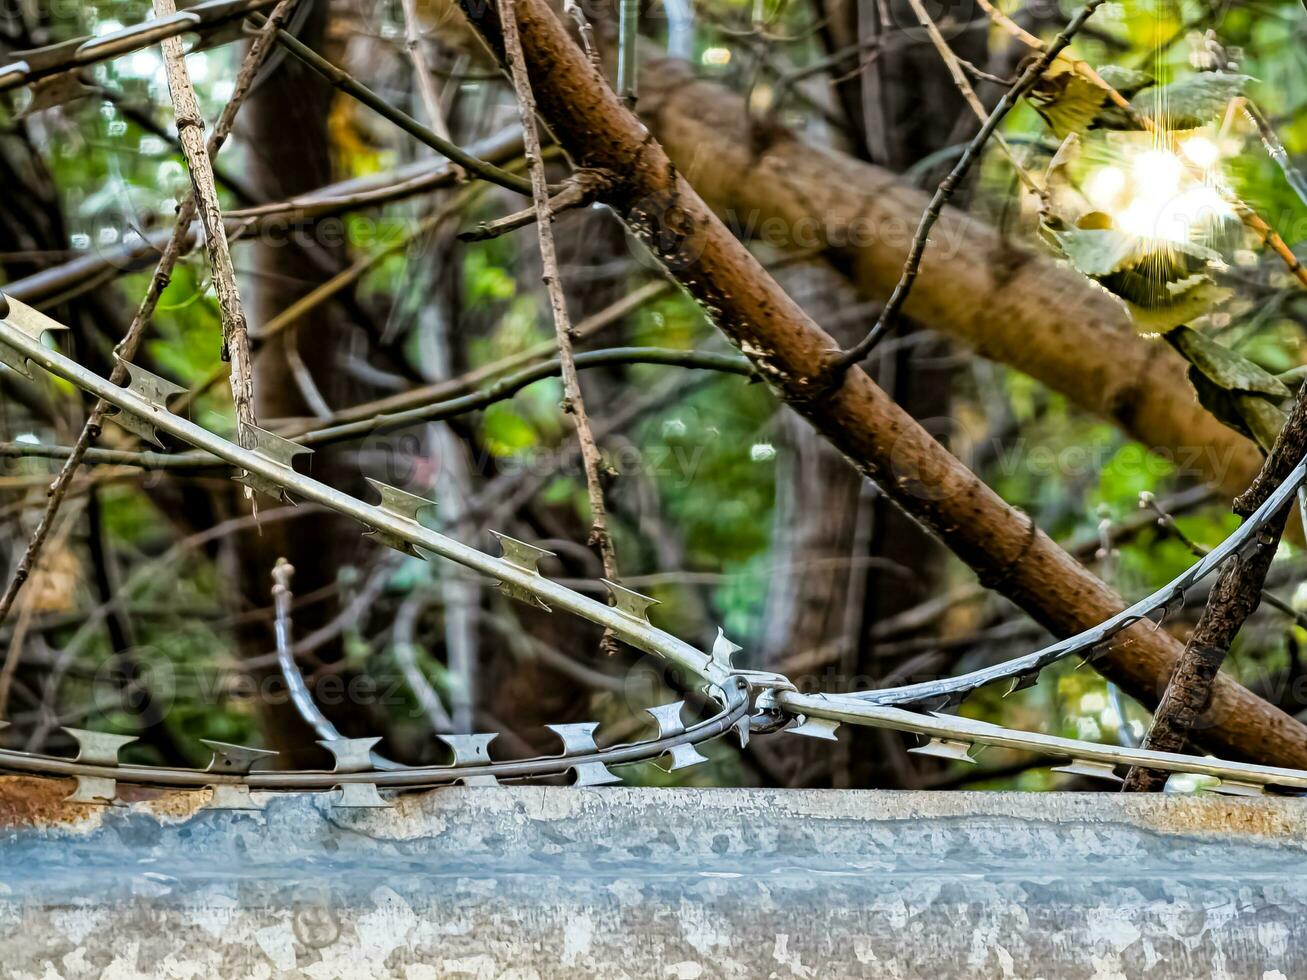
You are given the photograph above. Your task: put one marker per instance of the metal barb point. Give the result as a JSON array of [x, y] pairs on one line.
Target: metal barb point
[[1023, 682], [668, 718], [629, 603], [577, 739], [98, 748], [271, 446], [31, 322], [946, 748], [395, 542], [236, 760], [521, 555], [400, 503], [359, 796], [470, 750], [351, 754], [683, 757], [723, 650], [823, 728], [95, 791], [594, 774], [231, 796], [148, 385], [27, 321], [1091, 768]]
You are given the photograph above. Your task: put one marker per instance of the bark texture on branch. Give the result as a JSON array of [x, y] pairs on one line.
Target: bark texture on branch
[[1010, 305], [789, 350], [190, 131]]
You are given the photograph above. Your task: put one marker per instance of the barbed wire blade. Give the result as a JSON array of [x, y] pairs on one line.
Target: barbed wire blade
[[946, 748], [469, 750], [95, 791], [629, 603], [231, 796], [394, 541], [683, 756], [1234, 787], [723, 650], [1022, 682], [137, 425], [27, 321], [236, 760], [668, 718], [1167, 609], [148, 385], [400, 503], [1096, 653], [351, 754], [1091, 768], [521, 555], [97, 749], [359, 796], [823, 728], [578, 739], [274, 449], [57, 90], [743, 730], [526, 558]]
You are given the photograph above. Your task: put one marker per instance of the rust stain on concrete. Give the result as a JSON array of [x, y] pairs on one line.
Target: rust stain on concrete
[[27, 801]]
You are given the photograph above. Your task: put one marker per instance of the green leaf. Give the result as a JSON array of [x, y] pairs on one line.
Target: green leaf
[[1128, 81], [1224, 367], [1067, 100], [1193, 102], [1174, 304]]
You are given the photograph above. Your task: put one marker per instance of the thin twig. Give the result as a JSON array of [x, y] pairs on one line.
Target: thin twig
[[1275, 147], [422, 69], [190, 129], [352, 87], [579, 191], [572, 403], [126, 349], [842, 361], [954, 65]]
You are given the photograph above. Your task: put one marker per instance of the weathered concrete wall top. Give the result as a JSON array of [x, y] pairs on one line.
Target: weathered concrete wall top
[[615, 882]]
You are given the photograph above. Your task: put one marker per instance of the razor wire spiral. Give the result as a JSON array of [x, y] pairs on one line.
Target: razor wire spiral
[[746, 701]]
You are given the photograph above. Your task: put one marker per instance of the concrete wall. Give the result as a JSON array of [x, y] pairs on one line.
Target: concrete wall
[[618, 882]]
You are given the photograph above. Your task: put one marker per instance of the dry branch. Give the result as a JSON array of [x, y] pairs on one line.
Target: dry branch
[[190, 130]]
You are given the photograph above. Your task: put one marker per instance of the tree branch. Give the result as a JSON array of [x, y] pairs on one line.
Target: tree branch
[[190, 129]]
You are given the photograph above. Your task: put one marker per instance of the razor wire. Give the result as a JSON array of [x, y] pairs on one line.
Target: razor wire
[[748, 701], [52, 70]]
